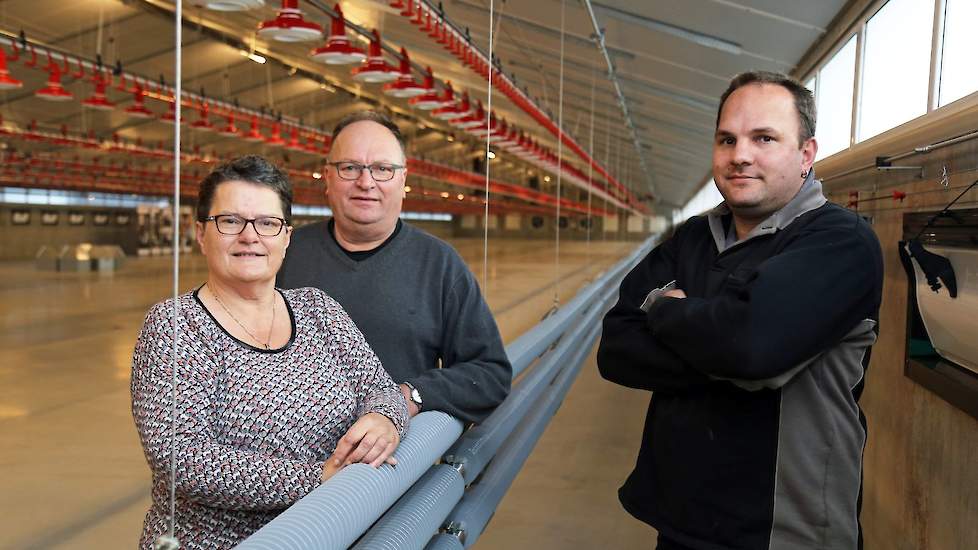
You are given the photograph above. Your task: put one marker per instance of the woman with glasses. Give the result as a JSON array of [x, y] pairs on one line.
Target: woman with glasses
[[268, 381]]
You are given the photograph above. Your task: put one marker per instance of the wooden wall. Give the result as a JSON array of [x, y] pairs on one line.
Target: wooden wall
[[921, 461]]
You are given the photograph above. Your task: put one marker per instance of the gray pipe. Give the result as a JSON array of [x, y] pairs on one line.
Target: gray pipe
[[334, 515], [418, 514], [478, 445], [480, 502], [444, 541]]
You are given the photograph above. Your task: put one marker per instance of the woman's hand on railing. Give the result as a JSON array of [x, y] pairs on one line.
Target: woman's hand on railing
[[371, 440]]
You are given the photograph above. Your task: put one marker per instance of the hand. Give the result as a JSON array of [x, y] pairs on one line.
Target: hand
[[411, 405], [330, 467], [371, 440], [675, 293]]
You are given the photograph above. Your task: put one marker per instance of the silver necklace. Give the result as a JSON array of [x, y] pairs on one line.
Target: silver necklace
[[267, 342]]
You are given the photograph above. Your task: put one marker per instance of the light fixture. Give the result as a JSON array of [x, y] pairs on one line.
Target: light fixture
[[7, 82], [449, 138], [460, 196], [317, 176], [260, 59], [445, 194], [546, 179], [375, 69], [289, 25], [338, 50], [491, 155], [407, 188], [405, 86], [54, 91], [98, 101], [138, 108], [233, 5]]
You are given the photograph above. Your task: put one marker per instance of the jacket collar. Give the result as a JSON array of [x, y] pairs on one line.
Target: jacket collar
[[808, 198]]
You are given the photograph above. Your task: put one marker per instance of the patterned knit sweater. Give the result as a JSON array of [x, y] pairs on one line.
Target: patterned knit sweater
[[254, 426]]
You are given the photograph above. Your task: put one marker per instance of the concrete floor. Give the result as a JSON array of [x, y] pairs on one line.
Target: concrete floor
[[72, 474]]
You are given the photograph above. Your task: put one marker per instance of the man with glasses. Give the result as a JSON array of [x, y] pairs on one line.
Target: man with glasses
[[416, 302]]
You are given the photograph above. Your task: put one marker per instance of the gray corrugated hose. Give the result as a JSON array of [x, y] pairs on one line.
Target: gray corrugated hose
[[418, 514], [480, 502], [337, 513]]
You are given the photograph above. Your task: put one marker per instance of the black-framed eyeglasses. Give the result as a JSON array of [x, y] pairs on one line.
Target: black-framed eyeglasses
[[379, 171], [232, 224]]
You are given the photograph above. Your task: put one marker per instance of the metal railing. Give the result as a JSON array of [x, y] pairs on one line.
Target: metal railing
[[392, 508]]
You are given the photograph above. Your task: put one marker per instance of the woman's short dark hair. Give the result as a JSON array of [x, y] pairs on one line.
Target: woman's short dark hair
[[372, 116], [804, 98], [252, 169]]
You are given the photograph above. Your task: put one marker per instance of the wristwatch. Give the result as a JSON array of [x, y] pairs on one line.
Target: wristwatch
[[415, 395]]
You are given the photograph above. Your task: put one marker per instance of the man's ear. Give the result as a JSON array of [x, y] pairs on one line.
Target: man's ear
[[808, 151]]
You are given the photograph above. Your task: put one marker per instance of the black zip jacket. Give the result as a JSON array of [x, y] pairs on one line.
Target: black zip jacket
[[753, 438]]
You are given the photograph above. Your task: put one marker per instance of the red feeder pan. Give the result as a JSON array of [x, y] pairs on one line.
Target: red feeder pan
[[234, 5], [473, 120], [289, 25], [429, 99], [405, 86], [7, 82], [454, 111], [275, 140], [98, 101], [202, 123], [170, 116], [338, 50], [375, 70], [254, 134], [230, 130], [54, 91], [138, 108]]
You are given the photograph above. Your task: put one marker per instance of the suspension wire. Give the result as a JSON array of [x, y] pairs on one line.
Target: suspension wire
[[607, 162], [621, 230], [177, 94], [485, 236], [590, 173], [560, 160]]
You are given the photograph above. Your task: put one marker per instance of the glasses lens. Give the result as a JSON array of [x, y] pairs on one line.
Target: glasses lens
[[349, 170], [382, 172], [268, 227], [229, 225]]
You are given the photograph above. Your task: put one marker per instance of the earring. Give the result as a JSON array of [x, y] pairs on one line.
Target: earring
[[804, 174]]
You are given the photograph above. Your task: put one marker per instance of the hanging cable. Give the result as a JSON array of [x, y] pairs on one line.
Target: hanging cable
[[560, 161], [590, 174], [485, 236], [170, 541]]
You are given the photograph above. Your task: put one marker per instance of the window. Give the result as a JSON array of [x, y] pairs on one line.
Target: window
[[959, 76], [834, 101], [896, 66]]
